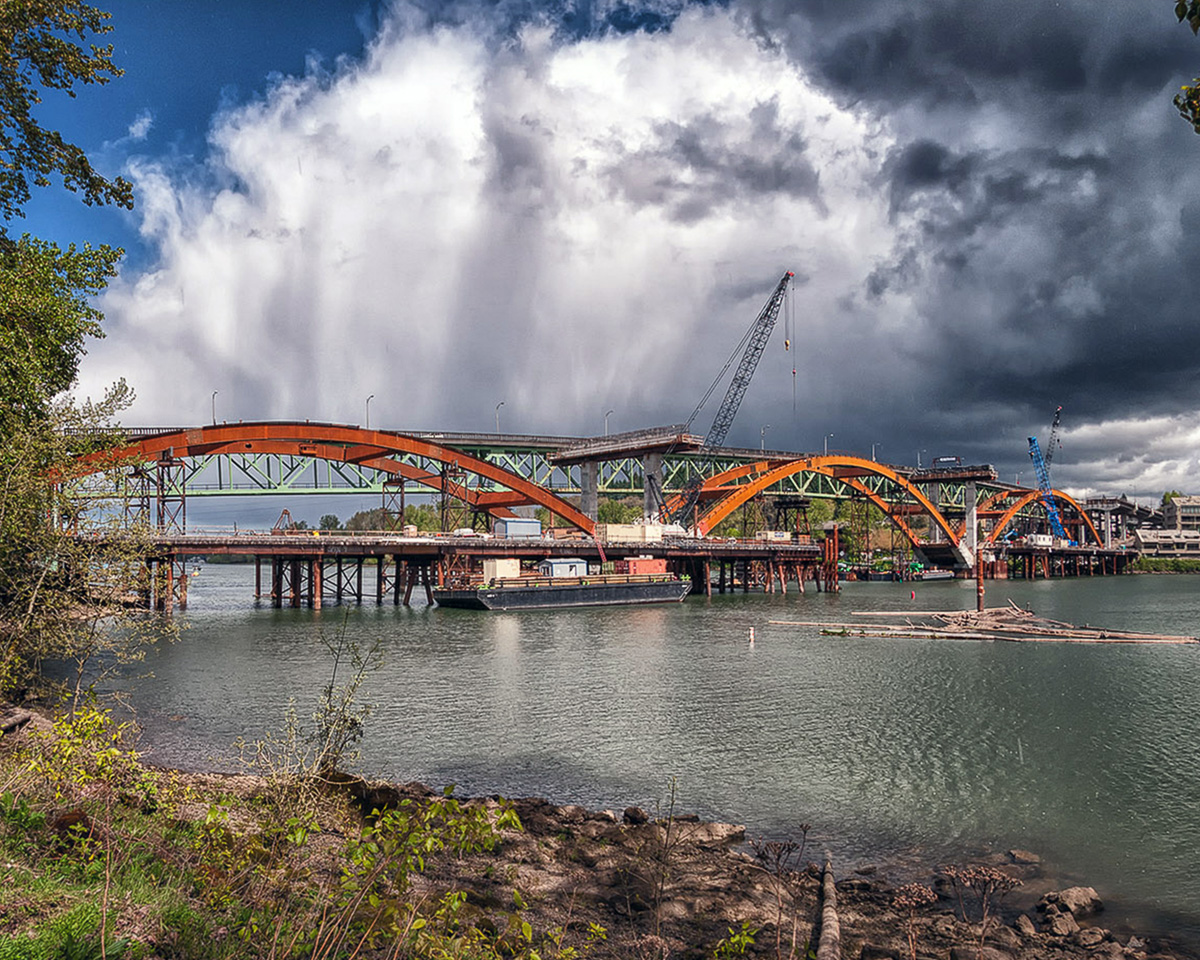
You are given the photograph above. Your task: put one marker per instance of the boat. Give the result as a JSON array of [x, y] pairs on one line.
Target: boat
[[933, 573], [536, 592]]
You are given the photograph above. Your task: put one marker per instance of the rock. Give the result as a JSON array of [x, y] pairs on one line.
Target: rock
[[1135, 943], [673, 909], [1090, 936], [636, 816], [1025, 926], [1081, 901], [1060, 925], [715, 832], [867, 871], [1109, 951], [572, 813], [1024, 857], [1078, 901], [1006, 938], [871, 951], [978, 953]]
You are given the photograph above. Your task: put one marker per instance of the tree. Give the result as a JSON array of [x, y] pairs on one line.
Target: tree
[[36, 47], [1187, 102], [45, 319], [55, 588], [329, 521]]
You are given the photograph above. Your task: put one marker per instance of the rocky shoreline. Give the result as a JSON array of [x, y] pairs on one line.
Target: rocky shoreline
[[677, 886], [629, 884]]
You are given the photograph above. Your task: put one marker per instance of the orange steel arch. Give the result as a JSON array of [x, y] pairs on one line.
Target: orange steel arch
[[986, 507], [1030, 497], [339, 443], [827, 466]]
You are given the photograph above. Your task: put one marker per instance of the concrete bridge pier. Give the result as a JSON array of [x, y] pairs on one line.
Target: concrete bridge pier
[[589, 488], [652, 485]]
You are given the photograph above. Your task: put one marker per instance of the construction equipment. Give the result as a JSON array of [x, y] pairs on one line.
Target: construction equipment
[[752, 346], [1041, 466]]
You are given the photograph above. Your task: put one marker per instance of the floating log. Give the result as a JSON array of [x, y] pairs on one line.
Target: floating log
[[1009, 623]]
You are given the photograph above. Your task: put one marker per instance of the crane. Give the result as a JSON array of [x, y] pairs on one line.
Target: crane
[[752, 345], [1041, 466]]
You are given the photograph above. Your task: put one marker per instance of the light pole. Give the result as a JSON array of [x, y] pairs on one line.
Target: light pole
[[919, 452], [369, 399], [827, 436], [498, 406], [762, 436], [606, 415], [873, 446], [214, 406]]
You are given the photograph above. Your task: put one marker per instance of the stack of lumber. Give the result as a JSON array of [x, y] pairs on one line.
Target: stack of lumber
[[997, 623]]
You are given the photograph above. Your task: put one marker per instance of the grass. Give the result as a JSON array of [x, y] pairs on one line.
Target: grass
[[160, 866]]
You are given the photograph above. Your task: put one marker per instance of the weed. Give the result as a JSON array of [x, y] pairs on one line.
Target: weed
[[989, 886], [909, 898], [737, 943], [780, 861]]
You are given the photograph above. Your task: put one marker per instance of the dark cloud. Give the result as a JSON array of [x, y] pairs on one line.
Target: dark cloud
[[1042, 186], [698, 166]]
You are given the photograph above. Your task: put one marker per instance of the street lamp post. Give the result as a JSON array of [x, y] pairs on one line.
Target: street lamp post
[[606, 416], [827, 436], [873, 446], [214, 406], [762, 436], [498, 406], [369, 399]]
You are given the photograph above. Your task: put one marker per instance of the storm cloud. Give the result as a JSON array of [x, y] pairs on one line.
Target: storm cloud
[[577, 209]]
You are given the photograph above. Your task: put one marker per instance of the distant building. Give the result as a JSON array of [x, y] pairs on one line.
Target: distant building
[[1182, 513], [1167, 543]]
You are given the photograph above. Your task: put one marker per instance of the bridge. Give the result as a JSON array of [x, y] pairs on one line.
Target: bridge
[[947, 515]]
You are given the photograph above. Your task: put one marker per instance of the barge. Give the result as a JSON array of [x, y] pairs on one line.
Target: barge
[[534, 593], [565, 583]]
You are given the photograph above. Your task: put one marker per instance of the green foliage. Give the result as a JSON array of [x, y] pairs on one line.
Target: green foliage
[[626, 510], [737, 942], [46, 317], [38, 40], [1187, 102], [1170, 495], [1166, 565], [84, 747], [329, 521]]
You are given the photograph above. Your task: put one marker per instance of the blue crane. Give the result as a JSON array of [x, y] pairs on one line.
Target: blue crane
[[1041, 466]]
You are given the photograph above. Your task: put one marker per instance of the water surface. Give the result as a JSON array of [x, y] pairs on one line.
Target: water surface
[[920, 750]]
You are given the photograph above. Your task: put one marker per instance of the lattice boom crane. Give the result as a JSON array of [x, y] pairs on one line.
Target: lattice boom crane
[[1041, 466], [752, 344]]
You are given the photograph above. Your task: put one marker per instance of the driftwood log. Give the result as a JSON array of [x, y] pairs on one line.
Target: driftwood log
[[997, 623]]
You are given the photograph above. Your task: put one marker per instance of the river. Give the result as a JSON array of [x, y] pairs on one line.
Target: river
[[917, 751]]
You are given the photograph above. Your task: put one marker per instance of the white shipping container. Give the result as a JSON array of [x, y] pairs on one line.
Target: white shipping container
[[501, 569], [517, 527]]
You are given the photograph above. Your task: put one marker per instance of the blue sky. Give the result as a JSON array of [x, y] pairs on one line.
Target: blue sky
[[183, 62], [576, 206]]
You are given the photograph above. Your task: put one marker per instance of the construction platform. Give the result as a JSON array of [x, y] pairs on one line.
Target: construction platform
[[307, 568]]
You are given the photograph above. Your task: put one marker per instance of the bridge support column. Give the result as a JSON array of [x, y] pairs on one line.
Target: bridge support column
[[652, 484], [589, 488], [972, 515]]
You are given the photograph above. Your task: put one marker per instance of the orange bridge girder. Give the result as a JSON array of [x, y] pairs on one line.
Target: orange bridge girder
[[344, 444], [1031, 496], [771, 472]]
